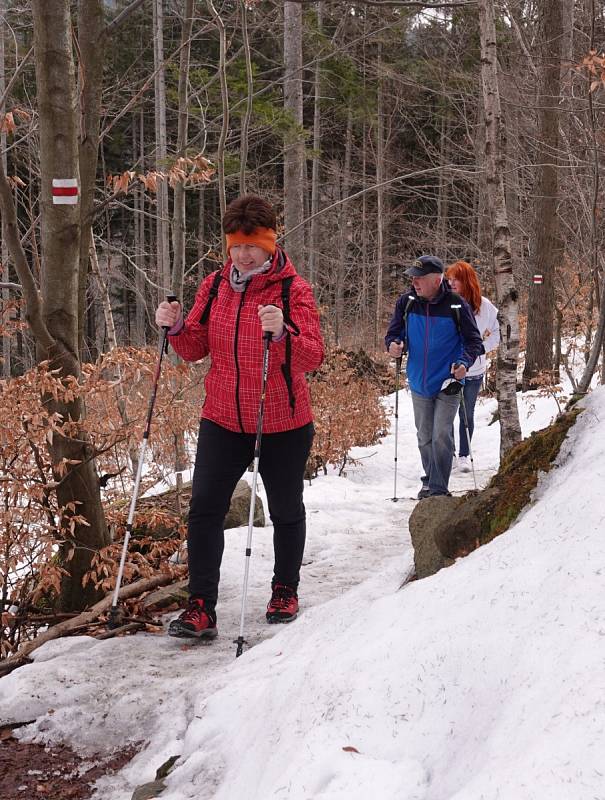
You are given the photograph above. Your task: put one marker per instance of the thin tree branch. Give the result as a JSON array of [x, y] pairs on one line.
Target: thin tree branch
[[401, 3], [117, 21], [430, 170], [16, 75], [29, 288]]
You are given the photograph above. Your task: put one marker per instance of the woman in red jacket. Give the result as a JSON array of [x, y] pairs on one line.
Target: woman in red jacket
[[233, 308]]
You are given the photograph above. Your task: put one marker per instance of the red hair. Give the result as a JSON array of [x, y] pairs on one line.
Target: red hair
[[469, 283]]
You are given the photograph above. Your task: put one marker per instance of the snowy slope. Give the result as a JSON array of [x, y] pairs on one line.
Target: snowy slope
[[484, 681]]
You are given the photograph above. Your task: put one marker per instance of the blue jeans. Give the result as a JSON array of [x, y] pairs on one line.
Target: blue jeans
[[434, 418], [471, 389]]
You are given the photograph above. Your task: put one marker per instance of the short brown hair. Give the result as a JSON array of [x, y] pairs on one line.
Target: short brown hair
[[247, 213]]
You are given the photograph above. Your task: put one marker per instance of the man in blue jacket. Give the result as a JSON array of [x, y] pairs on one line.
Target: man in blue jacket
[[438, 330]]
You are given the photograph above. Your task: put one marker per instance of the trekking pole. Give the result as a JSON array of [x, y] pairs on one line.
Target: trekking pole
[[259, 433], [397, 375], [114, 613], [468, 436]]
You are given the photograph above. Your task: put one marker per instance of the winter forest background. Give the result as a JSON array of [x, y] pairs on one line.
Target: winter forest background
[[380, 130]]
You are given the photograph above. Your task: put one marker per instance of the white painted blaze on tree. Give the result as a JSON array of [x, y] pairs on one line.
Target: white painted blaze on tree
[[538, 279], [65, 191]]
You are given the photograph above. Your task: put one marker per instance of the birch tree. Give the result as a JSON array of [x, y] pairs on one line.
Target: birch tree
[[508, 352]]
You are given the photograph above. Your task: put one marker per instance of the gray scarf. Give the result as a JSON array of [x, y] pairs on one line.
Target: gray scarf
[[239, 279]]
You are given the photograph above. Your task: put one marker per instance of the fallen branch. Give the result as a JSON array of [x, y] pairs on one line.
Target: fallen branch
[[85, 618], [130, 626]]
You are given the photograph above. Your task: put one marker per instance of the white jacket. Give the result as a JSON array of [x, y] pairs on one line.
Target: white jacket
[[487, 322]]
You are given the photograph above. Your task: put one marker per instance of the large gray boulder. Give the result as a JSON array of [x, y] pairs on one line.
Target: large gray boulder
[[446, 528], [239, 509], [237, 515]]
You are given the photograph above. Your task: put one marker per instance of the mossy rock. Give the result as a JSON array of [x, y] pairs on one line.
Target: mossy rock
[[445, 528], [520, 471]]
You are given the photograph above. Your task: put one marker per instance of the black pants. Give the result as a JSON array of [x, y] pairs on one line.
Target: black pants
[[222, 457]]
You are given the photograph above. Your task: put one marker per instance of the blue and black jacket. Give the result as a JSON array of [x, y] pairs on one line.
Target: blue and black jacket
[[434, 340]]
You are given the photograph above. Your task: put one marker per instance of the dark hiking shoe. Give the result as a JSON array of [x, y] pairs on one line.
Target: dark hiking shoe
[[283, 606], [424, 492], [196, 620]]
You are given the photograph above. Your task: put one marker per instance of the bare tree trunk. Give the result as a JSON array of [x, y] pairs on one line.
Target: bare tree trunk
[[220, 156], [481, 227], [161, 149], [201, 231], [294, 150], [597, 295], [139, 234], [5, 272], [508, 352], [110, 327], [444, 190], [595, 350], [56, 327], [379, 200], [315, 222], [344, 230], [178, 222], [105, 300], [546, 250], [91, 48], [365, 294], [250, 89]]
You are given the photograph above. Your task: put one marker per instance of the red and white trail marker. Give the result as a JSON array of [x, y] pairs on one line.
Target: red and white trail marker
[[65, 191], [538, 279]]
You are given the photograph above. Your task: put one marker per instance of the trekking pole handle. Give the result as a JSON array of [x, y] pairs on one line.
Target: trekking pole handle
[[267, 336], [399, 358], [170, 298]]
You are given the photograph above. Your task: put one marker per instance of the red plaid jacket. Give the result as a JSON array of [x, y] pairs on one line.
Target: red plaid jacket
[[234, 340]]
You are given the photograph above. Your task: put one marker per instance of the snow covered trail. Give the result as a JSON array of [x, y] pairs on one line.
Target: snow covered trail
[[483, 682], [252, 726], [99, 695]]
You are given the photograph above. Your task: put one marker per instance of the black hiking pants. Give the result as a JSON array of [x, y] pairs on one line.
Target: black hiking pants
[[222, 458]]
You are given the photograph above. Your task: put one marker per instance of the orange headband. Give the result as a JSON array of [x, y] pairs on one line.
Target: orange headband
[[264, 238]]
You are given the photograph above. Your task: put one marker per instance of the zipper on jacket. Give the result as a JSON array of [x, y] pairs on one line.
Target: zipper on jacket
[[235, 341], [426, 348]]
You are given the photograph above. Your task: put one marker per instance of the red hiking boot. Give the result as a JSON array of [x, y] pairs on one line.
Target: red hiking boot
[[196, 620], [283, 606]]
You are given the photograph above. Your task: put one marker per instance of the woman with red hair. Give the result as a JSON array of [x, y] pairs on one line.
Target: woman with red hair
[[463, 280]]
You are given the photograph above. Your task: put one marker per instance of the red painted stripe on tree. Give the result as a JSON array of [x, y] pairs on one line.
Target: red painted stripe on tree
[[65, 191]]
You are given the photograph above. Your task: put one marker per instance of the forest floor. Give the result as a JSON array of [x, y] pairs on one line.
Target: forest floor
[[59, 774]]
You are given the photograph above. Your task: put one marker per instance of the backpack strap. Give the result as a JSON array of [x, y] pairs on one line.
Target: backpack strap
[[406, 312], [455, 307], [213, 293], [286, 367]]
